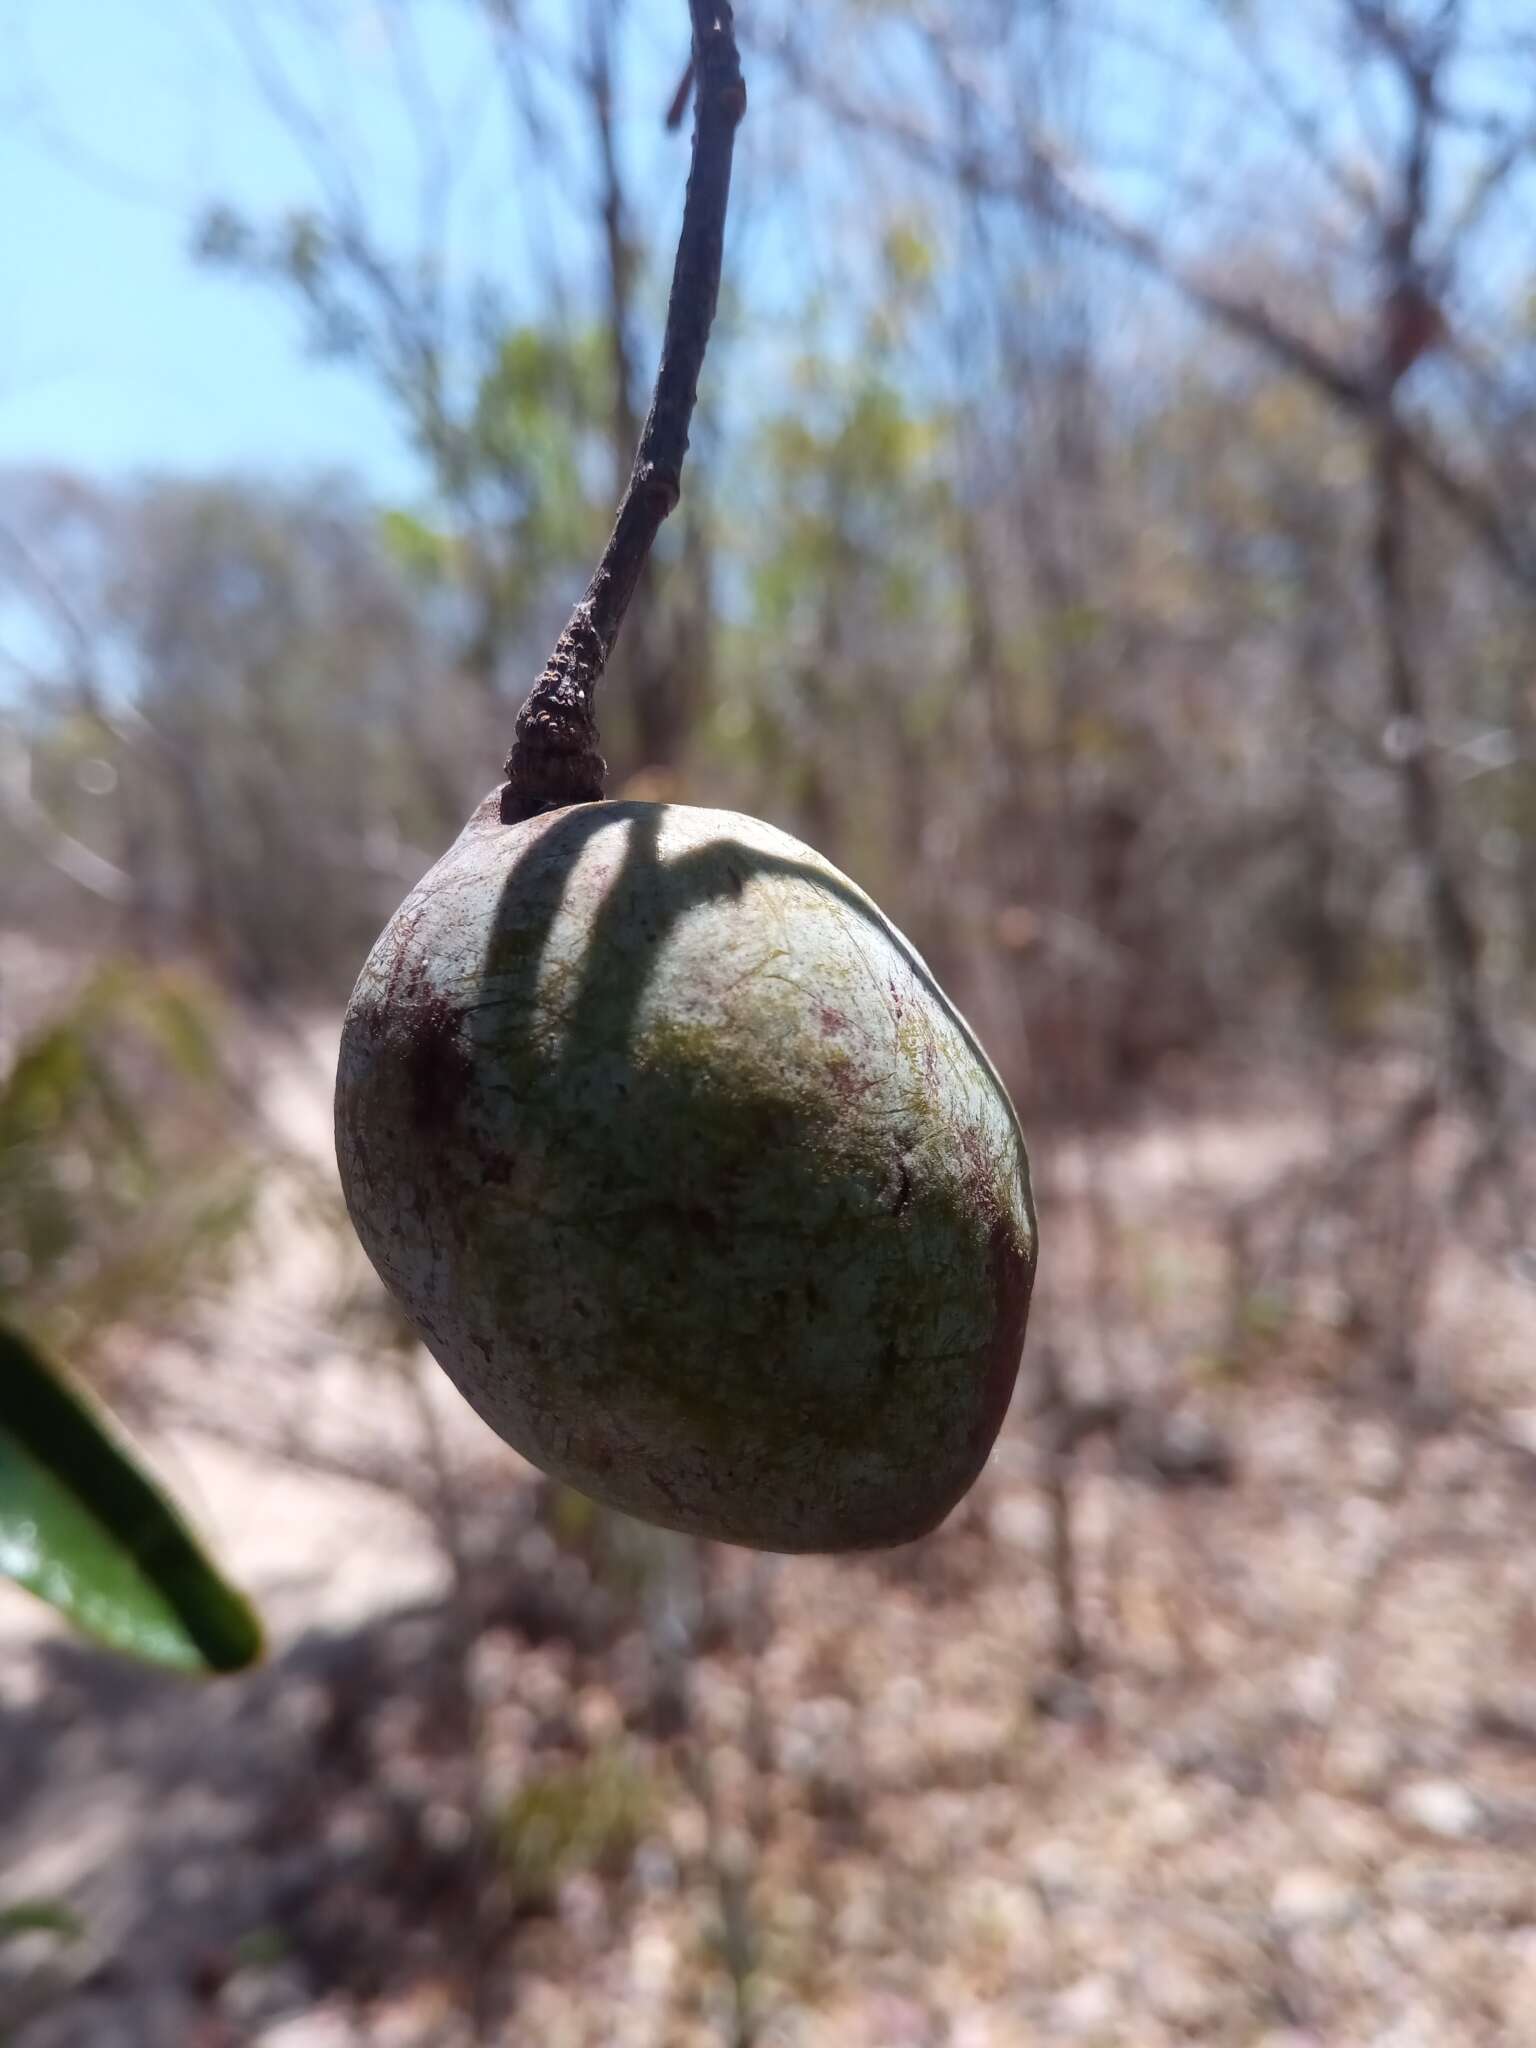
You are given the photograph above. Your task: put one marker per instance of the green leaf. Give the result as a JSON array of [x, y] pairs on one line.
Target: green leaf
[[421, 550], [39, 1916], [83, 1528], [908, 253]]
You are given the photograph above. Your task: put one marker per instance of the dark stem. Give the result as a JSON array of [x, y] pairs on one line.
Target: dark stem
[[554, 759], [680, 99], [1455, 940]]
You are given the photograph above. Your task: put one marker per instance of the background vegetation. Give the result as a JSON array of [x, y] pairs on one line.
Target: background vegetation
[[1111, 536]]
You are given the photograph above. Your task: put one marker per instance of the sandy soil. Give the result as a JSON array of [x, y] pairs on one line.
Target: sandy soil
[[1290, 1802]]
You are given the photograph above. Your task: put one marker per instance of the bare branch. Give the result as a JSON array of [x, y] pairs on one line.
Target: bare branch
[[1046, 181], [1453, 933], [22, 811], [554, 759], [433, 142], [1299, 121], [680, 99]]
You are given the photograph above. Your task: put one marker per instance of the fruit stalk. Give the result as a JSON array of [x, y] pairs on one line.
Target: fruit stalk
[[555, 759]]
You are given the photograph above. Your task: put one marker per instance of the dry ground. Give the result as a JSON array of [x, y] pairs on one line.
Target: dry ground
[[514, 1774]]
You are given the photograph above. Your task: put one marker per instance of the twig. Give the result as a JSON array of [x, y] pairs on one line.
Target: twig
[[680, 99], [1038, 175], [72, 857], [728, 1853], [1062, 1429], [1453, 933], [1070, 1648], [554, 759]]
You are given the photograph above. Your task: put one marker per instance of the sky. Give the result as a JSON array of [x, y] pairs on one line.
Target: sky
[[121, 119], [119, 124], [119, 353]]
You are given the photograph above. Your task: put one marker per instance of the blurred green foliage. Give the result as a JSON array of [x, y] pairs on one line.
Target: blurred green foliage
[[39, 1916], [590, 1815], [124, 1191], [121, 1193]]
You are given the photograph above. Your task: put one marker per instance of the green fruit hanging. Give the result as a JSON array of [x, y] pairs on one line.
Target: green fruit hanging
[[682, 1164]]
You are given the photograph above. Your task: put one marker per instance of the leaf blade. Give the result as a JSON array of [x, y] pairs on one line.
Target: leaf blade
[[85, 1529]]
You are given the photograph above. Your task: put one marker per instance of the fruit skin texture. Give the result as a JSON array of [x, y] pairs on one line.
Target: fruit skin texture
[[690, 1176]]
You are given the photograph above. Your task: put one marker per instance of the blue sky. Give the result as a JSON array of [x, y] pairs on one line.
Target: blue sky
[[119, 122], [125, 117], [119, 353], [121, 119]]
